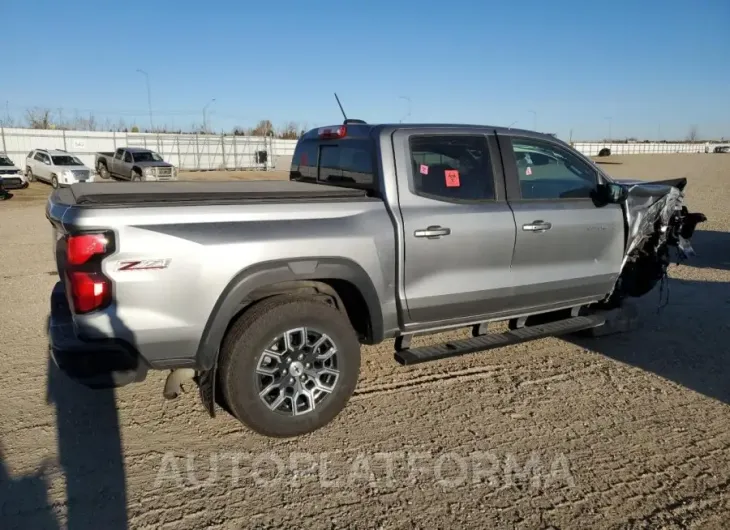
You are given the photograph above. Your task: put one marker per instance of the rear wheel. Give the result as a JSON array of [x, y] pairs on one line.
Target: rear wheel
[[103, 171], [288, 366]]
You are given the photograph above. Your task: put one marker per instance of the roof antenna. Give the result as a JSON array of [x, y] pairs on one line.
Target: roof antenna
[[341, 109]]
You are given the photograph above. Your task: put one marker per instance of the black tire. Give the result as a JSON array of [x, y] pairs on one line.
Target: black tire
[[136, 176], [604, 152], [54, 182], [244, 346], [29, 174], [103, 171]]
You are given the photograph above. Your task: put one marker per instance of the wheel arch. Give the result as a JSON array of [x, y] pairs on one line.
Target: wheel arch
[[342, 280]]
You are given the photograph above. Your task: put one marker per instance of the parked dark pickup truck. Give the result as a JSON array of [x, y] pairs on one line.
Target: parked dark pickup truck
[[134, 163], [262, 292]]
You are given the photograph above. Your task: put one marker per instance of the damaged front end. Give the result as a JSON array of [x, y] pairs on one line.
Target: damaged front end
[[658, 226]]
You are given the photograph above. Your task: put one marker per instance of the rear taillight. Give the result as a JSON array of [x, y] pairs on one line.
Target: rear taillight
[[89, 289], [81, 248]]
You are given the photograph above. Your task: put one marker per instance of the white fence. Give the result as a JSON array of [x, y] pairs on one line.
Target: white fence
[[593, 148], [185, 151], [212, 152]]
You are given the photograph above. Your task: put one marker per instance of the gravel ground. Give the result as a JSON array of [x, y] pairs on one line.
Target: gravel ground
[[628, 431]]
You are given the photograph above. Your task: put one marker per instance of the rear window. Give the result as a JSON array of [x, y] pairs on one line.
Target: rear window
[[348, 162]]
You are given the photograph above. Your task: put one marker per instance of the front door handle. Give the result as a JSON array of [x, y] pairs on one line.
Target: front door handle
[[537, 226], [432, 232]]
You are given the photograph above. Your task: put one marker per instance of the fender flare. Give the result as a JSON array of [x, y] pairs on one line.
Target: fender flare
[[236, 296]]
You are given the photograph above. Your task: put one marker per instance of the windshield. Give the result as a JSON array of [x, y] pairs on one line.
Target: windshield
[[66, 160], [5, 161], [147, 156]]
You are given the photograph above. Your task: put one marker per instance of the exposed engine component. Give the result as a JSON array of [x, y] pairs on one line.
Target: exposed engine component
[[659, 225]]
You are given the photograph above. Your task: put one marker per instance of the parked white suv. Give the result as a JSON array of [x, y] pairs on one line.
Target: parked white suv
[[56, 167], [11, 176]]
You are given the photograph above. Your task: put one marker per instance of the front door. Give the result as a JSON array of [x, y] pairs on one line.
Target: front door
[[458, 230], [567, 249]]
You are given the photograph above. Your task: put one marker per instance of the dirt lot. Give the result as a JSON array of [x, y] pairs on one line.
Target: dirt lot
[[630, 431]]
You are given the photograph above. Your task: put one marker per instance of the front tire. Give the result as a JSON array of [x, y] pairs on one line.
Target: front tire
[[29, 174], [136, 177], [288, 366], [54, 182]]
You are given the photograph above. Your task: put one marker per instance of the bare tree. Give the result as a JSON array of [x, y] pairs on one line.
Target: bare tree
[[290, 131], [39, 118], [692, 135], [262, 128]]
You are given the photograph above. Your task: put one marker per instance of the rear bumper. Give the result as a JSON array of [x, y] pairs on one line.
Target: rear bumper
[[96, 364]]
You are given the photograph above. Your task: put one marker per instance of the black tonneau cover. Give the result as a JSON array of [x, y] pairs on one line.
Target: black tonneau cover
[[143, 193]]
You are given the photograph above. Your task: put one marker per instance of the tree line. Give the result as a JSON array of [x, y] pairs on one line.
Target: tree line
[[44, 118]]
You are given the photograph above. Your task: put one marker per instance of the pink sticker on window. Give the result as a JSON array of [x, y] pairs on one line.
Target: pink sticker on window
[[452, 178], [424, 169], [528, 171]]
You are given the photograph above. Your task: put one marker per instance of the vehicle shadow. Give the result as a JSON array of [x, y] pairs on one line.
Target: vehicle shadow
[[713, 250], [685, 342], [90, 450]]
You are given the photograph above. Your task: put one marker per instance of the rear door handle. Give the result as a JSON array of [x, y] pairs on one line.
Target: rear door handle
[[432, 232], [537, 226]]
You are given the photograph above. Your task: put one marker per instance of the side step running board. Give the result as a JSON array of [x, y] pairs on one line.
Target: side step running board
[[497, 340]]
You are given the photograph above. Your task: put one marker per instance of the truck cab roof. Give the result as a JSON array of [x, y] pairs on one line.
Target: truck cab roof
[[360, 129]]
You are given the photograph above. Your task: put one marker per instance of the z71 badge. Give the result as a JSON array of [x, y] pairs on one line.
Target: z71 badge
[[143, 264]]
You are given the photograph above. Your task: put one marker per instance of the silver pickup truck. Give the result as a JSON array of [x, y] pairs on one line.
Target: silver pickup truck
[[135, 164], [262, 292]]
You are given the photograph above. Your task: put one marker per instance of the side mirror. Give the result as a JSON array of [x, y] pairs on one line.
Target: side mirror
[[610, 193]]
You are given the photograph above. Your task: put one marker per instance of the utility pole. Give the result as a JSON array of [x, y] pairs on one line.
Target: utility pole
[[205, 123], [149, 97]]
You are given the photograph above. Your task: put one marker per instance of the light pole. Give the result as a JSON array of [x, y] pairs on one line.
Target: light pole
[[534, 119], [149, 97], [610, 122], [408, 115], [205, 123]]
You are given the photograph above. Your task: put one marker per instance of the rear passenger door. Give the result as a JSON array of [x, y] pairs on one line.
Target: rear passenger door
[[117, 167], [458, 230], [567, 249], [125, 165], [42, 166]]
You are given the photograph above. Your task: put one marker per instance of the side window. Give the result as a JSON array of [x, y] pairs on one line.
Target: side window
[[304, 161], [346, 162], [47, 159], [452, 167], [128, 157], [547, 171], [118, 154], [38, 157]]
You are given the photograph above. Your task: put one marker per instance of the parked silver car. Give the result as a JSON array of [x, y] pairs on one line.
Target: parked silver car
[[56, 167]]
